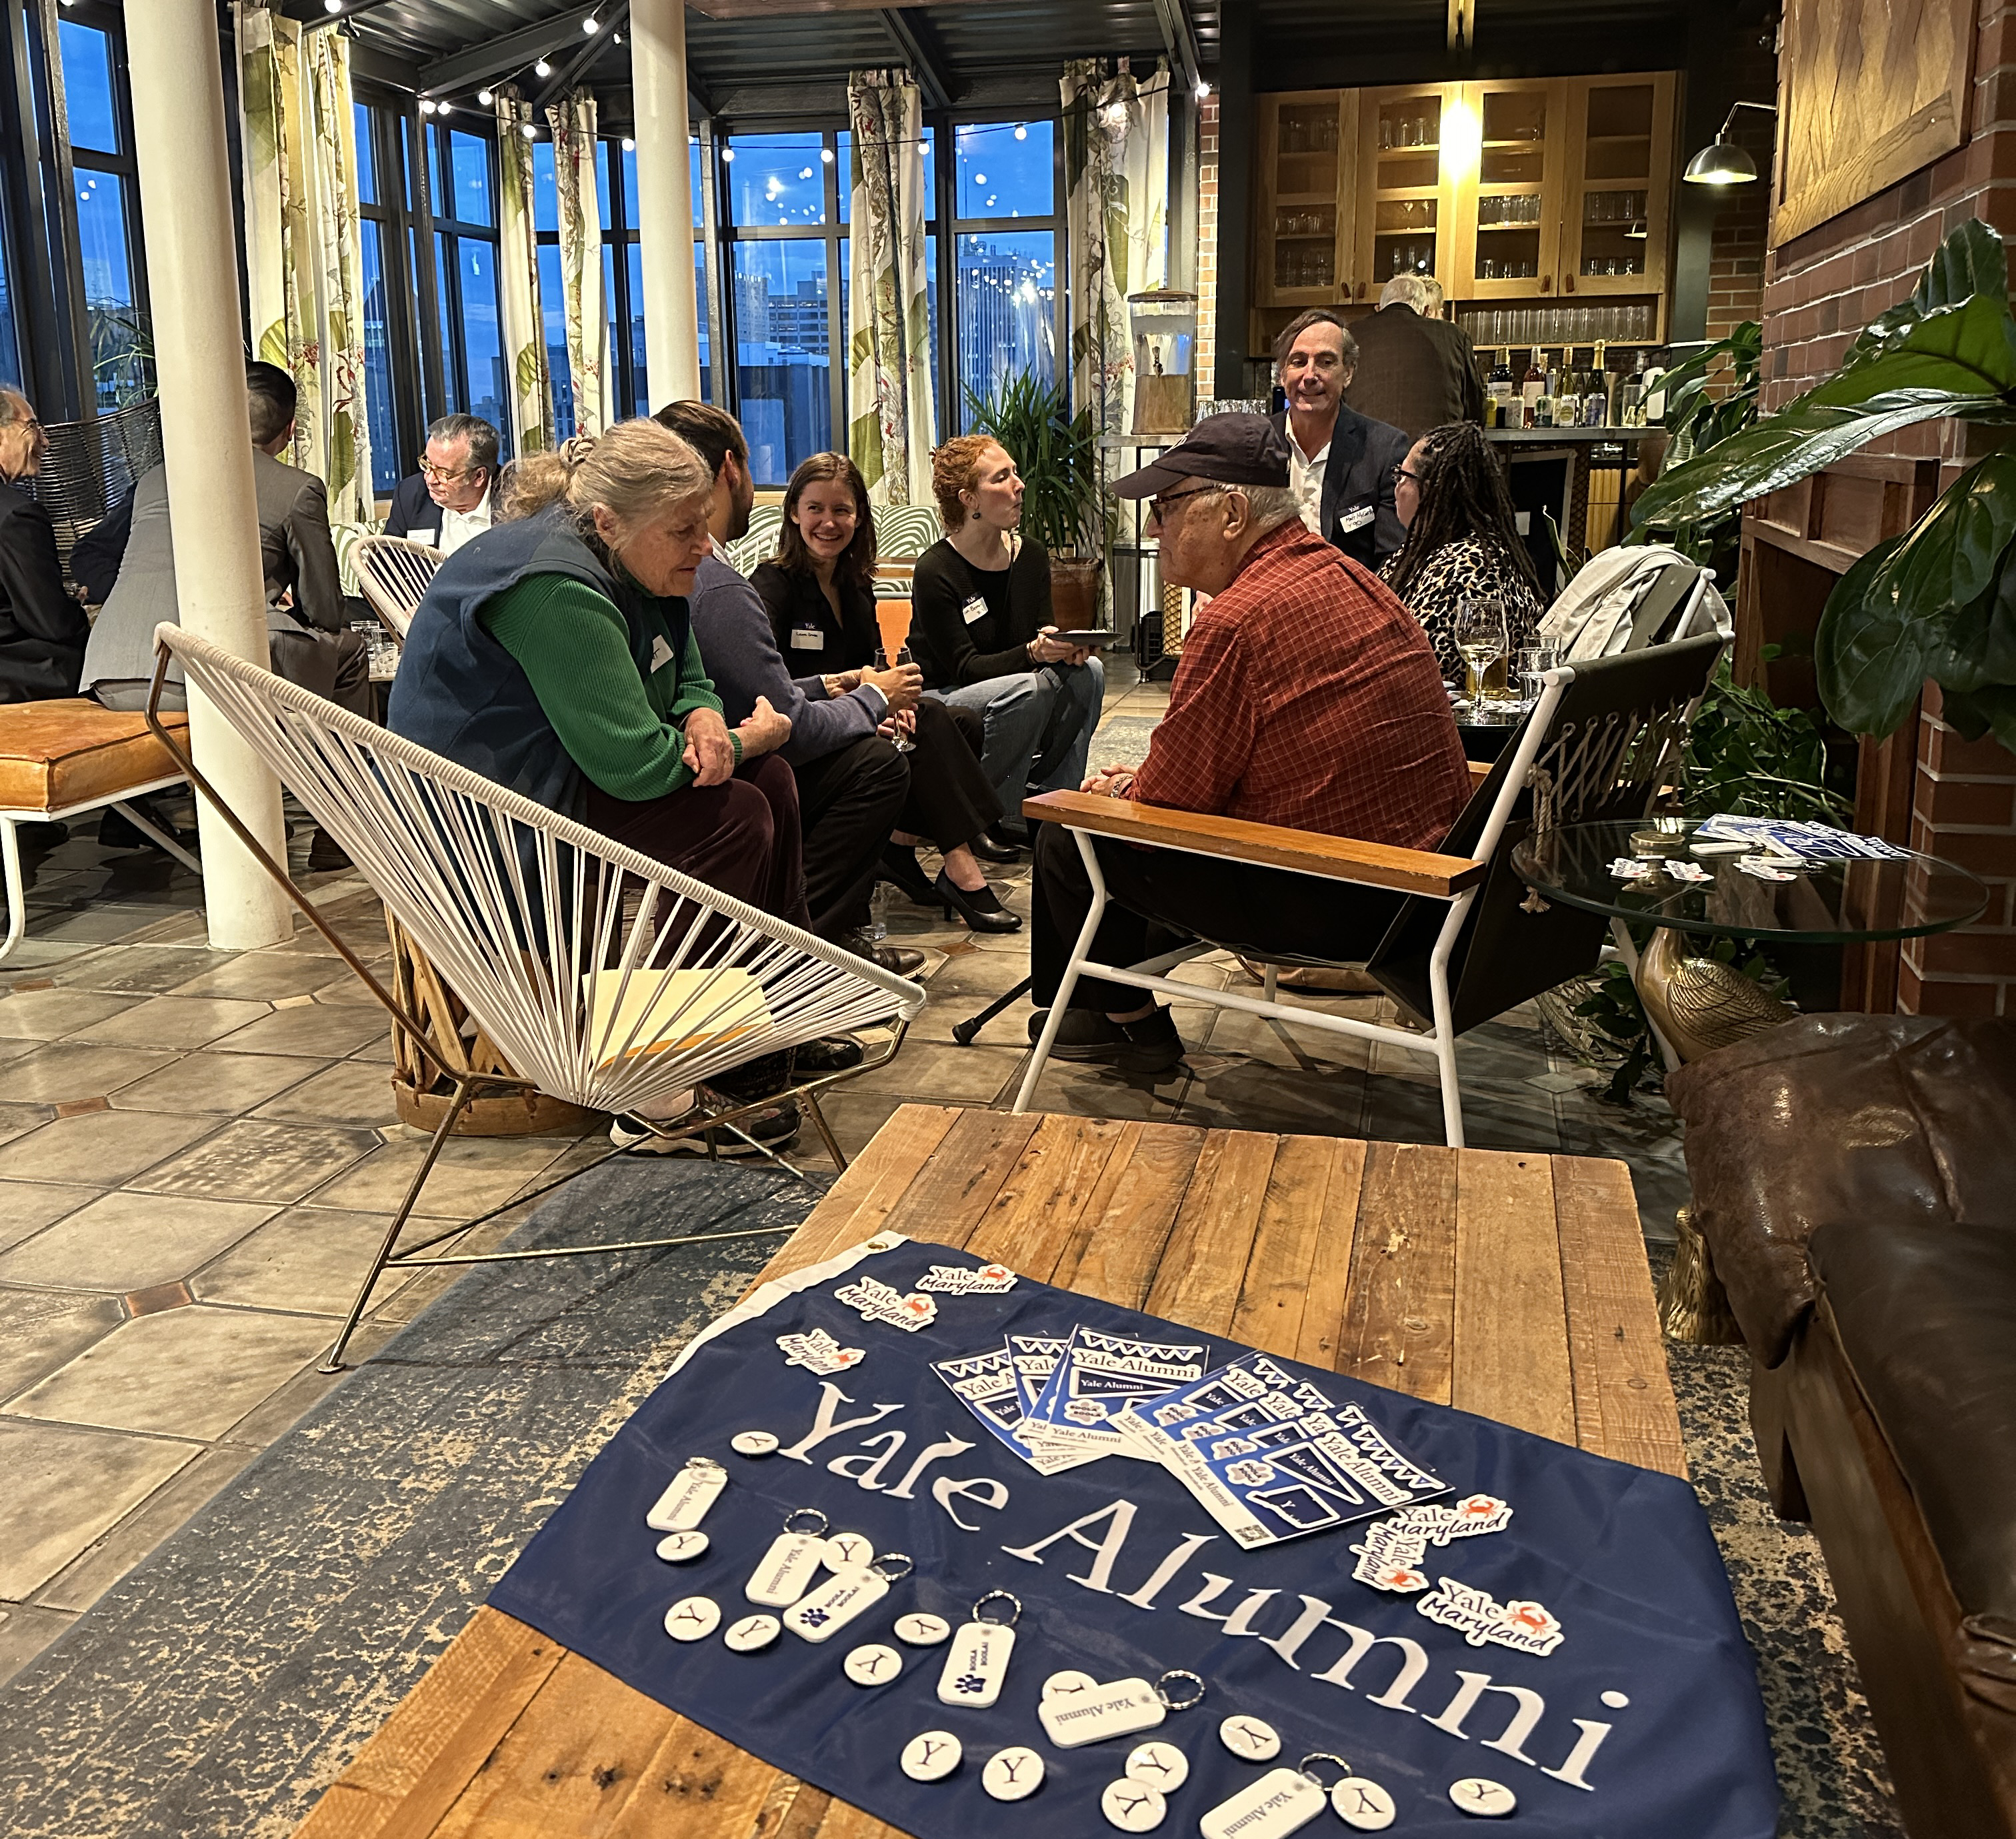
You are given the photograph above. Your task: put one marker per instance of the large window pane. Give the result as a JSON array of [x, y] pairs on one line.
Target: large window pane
[[602, 191], [121, 375], [700, 299], [546, 192], [552, 313], [1006, 305], [1005, 169], [931, 303], [470, 161], [697, 180], [482, 339], [777, 178], [10, 352], [452, 378], [87, 75], [780, 319], [386, 465], [367, 162]]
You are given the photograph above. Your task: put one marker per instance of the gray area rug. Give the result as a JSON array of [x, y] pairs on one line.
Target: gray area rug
[[222, 1685]]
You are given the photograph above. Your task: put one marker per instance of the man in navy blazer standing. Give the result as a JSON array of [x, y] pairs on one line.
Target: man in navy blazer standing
[[450, 498], [1342, 464]]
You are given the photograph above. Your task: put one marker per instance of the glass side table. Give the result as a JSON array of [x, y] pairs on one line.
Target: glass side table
[[1695, 1004]]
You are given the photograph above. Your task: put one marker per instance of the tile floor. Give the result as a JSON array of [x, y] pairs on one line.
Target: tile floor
[[198, 1152]]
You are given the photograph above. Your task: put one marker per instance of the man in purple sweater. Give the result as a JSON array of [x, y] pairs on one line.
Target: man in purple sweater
[[852, 783]]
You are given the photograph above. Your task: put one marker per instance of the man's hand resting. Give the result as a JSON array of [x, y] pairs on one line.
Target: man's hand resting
[[765, 730], [1115, 782], [900, 685]]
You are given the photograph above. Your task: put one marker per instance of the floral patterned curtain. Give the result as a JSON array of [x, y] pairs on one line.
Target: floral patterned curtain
[[893, 425], [1116, 219], [518, 279], [304, 308], [573, 121]]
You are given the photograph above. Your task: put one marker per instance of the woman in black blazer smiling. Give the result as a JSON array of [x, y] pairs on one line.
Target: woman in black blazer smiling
[[819, 592]]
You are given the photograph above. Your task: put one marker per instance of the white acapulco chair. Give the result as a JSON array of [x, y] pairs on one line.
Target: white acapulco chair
[[604, 978], [393, 575]]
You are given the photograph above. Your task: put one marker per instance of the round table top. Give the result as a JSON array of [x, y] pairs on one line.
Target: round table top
[[1832, 903]]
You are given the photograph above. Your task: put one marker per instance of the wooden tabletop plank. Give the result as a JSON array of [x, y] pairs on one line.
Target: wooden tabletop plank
[[1126, 1248], [856, 1205], [1624, 1394], [1078, 1240], [1511, 1342], [1203, 1264], [1400, 1309], [956, 1187], [1286, 1246], [695, 1780], [1321, 1337], [1032, 1219]]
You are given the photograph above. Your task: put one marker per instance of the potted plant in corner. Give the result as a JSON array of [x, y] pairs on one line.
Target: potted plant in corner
[[1939, 601], [1057, 456]]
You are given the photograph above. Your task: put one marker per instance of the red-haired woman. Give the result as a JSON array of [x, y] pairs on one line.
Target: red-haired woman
[[819, 590]]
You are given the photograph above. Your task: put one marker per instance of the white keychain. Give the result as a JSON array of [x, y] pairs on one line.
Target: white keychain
[[844, 1596], [977, 1663], [1132, 1806], [687, 1497], [1283, 1800], [1122, 1709], [787, 1570], [693, 1618]]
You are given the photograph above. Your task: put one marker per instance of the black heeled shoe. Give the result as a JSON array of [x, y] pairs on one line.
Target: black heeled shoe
[[899, 868], [988, 849], [981, 910]]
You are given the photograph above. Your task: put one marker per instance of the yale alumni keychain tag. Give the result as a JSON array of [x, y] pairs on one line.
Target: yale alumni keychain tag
[[684, 1504], [977, 1662], [794, 1559], [1127, 1706], [844, 1596], [1283, 1800]]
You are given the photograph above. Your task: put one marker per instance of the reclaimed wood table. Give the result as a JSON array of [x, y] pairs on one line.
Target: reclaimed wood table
[[1513, 1286]]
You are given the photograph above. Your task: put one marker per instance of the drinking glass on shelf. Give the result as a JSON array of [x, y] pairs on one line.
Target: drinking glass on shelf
[[1385, 134], [1479, 633]]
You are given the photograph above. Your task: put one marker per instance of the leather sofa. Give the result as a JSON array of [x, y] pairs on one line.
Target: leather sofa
[[1855, 1180]]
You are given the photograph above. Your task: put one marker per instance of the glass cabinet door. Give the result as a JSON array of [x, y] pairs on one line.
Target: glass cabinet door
[[1304, 232], [1405, 221], [1513, 221], [1616, 223]]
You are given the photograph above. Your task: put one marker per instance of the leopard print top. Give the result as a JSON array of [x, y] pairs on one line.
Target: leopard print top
[[1462, 570]]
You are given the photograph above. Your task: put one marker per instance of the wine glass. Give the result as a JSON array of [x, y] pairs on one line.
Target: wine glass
[[1480, 638]]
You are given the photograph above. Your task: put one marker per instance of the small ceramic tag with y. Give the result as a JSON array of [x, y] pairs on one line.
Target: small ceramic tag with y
[[687, 1497], [1283, 1800]]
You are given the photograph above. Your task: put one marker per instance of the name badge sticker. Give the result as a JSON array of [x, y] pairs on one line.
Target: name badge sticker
[[975, 608], [807, 638], [661, 652], [1355, 519]]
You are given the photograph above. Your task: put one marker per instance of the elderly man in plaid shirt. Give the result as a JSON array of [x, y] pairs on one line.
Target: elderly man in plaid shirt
[[1307, 696]]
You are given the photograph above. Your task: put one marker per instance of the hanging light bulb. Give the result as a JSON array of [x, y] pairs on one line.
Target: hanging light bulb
[[486, 97], [616, 38], [528, 130], [629, 144], [728, 154], [1021, 131], [826, 154], [331, 6], [427, 105], [1203, 89], [442, 108], [590, 25], [542, 68]]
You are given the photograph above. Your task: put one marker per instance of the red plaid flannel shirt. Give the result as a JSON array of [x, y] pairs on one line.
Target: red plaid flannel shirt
[[1308, 696]]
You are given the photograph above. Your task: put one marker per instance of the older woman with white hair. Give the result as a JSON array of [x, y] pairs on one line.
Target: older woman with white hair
[[554, 655], [43, 631]]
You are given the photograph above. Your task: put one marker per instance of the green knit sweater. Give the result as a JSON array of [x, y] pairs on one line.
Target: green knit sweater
[[624, 731]]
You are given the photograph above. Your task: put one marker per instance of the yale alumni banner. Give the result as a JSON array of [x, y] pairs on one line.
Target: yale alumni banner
[[789, 1541]]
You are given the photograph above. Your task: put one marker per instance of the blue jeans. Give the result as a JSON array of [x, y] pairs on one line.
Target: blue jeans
[[1039, 726]]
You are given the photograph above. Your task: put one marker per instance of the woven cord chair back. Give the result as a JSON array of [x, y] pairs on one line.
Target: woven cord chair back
[[1616, 737], [91, 465], [394, 576], [605, 979]]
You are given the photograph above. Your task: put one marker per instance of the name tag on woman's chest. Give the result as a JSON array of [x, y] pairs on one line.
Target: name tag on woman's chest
[[807, 638], [661, 652], [975, 608]]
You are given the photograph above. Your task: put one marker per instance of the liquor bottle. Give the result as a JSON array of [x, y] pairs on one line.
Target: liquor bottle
[[1631, 396], [1533, 385], [1500, 383], [1596, 406], [1567, 404]]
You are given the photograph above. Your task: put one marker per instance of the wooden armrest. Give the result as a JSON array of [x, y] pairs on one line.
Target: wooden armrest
[[1480, 770], [1307, 852]]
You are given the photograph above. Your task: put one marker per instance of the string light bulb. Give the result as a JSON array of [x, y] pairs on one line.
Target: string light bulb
[[332, 6], [527, 129], [1021, 131], [427, 105], [486, 97], [590, 25], [826, 154], [542, 68], [1202, 88], [728, 154], [629, 144]]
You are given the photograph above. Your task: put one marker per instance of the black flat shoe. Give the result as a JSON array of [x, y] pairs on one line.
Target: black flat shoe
[[899, 869], [989, 850], [981, 910]]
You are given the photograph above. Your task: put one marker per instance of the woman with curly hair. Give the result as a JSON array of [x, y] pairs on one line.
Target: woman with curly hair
[[1463, 542]]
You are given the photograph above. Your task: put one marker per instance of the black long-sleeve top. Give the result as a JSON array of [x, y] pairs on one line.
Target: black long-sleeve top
[[800, 612], [970, 624], [42, 630]]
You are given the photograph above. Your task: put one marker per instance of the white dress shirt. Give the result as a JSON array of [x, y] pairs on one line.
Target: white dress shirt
[[458, 527], [1306, 479]]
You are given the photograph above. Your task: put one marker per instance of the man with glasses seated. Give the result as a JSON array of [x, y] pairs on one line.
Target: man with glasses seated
[[1306, 696], [451, 498], [1340, 463]]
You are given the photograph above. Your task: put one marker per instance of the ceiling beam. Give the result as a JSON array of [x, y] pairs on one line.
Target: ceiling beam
[[1179, 40], [909, 34], [595, 44], [463, 70]]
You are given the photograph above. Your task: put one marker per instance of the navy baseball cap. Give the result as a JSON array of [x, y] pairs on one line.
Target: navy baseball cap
[[1226, 449]]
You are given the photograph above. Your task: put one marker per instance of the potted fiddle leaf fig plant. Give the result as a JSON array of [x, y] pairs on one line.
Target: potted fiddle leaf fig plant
[[1939, 601], [1058, 457]]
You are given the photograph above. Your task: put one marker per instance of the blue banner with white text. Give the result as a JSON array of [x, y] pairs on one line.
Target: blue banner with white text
[[1423, 1598]]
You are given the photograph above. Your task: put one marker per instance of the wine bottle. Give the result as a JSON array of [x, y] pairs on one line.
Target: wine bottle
[[1596, 407], [1532, 387]]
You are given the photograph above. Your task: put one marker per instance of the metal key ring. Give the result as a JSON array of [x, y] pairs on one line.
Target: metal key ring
[[707, 1462], [816, 1532], [1162, 1692], [1006, 1596], [897, 1558], [1302, 1767]]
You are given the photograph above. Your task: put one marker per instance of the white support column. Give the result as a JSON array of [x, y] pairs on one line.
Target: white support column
[[664, 199], [192, 283]]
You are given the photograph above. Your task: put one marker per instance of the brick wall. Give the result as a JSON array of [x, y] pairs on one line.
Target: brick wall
[[1204, 365], [1820, 290]]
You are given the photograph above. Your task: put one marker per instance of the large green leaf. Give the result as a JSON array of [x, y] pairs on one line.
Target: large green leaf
[[1949, 558], [1976, 648], [1972, 261], [1984, 711], [1870, 656], [1969, 348], [1791, 445]]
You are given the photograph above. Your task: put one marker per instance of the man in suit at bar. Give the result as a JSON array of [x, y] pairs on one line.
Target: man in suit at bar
[[1341, 463], [1414, 370]]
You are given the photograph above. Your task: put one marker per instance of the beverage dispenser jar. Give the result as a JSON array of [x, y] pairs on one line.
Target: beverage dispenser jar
[[1164, 323]]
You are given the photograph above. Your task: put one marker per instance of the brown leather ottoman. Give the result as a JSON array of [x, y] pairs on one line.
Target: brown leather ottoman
[[1854, 1181]]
